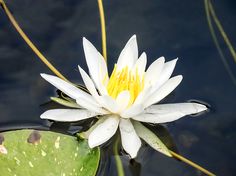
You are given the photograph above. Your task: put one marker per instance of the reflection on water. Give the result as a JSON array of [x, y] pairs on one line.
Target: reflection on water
[[168, 28]]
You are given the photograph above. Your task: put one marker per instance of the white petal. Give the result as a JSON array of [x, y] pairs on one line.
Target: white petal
[[109, 103], [129, 54], [85, 134], [141, 64], [91, 107], [169, 112], [103, 131], [129, 139], [68, 88], [163, 91], [95, 62], [133, 110], [67, 115], [103, 69], [88, 83], [153, 72], [103, 76], [166, 72], [122, 100], [184, 108], [142, 95]]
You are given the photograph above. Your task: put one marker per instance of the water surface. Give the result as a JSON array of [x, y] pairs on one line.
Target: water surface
[[169, 28]]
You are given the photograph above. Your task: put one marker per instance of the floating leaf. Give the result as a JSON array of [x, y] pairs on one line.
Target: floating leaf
[[29, 152], [149, 137]]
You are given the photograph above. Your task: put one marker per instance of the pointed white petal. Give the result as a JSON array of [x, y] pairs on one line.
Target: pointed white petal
[[129, 139], [67, 88], [103, 76], [142, 95], [91, 107], [184, 108], [109, 103], [129, 54], [169, 112], [95, 62], [102, 89], [163, 91], [166, 72], [149, 137], [85, 134], [103, 69], [153, 72], [91, 55], [67, 115], [88, 83], [104, 131], [122, 100], [141, 64], [133, 110]]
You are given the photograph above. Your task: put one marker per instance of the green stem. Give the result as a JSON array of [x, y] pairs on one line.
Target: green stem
[[29, 42], [216, 42], [221, 29], [191, 163], [119, 165], [103, 29]]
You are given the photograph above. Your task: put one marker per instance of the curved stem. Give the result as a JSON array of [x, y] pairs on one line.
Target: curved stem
[[28, 41], [119, 165], [103, 29], [191, 163], [221, 29], [216, 42]]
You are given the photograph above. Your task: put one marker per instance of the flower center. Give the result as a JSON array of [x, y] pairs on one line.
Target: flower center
[[125, 80]]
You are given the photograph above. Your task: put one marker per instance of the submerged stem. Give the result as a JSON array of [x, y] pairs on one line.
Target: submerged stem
[[119, 165], [191, 163], [216, 42], [29, 43], [221, 29], [103, 29]]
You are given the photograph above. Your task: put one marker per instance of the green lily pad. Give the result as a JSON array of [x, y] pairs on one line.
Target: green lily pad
[[37, 153]]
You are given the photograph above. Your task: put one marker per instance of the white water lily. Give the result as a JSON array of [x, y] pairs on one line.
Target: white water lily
[[126, 96]]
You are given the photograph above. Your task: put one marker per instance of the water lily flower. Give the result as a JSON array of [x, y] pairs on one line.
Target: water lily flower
[[123, 99]]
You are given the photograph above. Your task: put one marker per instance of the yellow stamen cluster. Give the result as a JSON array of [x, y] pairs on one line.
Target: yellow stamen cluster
[[123, 80]]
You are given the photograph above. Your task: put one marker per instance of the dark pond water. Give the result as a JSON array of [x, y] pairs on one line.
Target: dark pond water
[[170, 28]]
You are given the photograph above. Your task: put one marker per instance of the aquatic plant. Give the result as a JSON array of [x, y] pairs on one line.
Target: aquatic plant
[[129, 95], [115, 105]]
